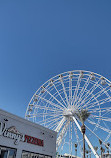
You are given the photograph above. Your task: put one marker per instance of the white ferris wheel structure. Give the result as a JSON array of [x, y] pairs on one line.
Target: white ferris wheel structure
[[55, 103]]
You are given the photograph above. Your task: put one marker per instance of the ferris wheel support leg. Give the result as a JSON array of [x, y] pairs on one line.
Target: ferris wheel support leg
[[60, 124], [86, 138]]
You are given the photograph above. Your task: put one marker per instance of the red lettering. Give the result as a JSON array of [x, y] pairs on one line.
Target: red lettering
[[29, 140], [33, 140], [26, 138], [36, 141], [40, 142]]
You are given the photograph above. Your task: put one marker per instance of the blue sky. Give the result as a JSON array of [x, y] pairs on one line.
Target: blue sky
[[40, 39]]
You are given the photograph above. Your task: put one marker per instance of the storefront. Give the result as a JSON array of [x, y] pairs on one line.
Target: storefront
[[20, 138]]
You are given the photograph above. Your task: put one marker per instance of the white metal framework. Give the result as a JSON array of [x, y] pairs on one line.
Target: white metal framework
[[55, 103]]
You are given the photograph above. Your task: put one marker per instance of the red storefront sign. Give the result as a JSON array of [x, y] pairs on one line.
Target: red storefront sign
[[33, 140]]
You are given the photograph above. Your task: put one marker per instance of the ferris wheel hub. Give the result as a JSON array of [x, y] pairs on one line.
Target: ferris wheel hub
[[69, 113]]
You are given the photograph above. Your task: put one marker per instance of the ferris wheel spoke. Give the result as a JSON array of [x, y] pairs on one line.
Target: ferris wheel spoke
[[64, 90], [49, 119], [107, 112], [54, 98], [47, 108], [89, 92], [53, 125], [103, 142], [87, 104], [105, 125], [93, 133], [108, 134], [51, 103], [93, 120], [103, 115], [47, 111], [46, 122], [96, 95], [106, 109], [101, 118], [45, 114], [99, 102], [99, 126], [77, 138], [60, 124], [44, 107], [63, 140], [79, 98], [49, 122], [76, 90], [71, 137], [52, 114], [60, 95], [70, 90], [61, 135], [104, 90], [53, 109]]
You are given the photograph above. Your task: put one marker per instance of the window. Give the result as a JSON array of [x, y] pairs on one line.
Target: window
[[6, 152], [41, 156]]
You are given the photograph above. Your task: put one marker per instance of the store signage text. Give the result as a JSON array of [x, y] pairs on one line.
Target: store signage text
[[33, 140], [13, 133]]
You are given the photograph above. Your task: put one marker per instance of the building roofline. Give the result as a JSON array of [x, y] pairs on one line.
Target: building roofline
[[20, 119]]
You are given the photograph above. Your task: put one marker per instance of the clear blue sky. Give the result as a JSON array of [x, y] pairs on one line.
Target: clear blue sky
[[42, 38]]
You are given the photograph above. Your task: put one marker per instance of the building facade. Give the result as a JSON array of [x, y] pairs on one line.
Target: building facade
[[20, 138]]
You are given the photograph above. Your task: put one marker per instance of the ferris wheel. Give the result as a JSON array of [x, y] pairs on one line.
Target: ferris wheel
[[55, 103]]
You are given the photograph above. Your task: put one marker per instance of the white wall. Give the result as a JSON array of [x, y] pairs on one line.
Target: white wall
[[31, 129]]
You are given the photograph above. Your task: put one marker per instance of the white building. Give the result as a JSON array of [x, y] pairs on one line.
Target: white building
[[20, 138]]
